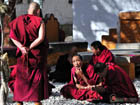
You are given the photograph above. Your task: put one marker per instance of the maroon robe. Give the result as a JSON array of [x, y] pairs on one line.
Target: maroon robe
[[71, 91], [105, 56], [31, 81], [118, 82]]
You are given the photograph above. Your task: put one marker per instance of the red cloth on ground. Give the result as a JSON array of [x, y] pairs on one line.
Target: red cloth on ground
[[118, 82], [31, 80], [71, 91], [105, 56]]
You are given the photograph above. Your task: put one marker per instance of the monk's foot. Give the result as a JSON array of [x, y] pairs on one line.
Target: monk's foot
[[19, 103], [38, 103]]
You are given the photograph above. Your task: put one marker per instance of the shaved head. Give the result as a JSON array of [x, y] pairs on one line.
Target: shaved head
[[33, 8]]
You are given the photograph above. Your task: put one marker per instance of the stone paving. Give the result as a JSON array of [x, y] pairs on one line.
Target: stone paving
[[57, 99]]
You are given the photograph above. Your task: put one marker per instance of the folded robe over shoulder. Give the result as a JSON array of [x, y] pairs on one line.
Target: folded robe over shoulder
[[105, 56]]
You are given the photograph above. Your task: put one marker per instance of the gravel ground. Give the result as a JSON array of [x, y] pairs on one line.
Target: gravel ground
[[57, 99]]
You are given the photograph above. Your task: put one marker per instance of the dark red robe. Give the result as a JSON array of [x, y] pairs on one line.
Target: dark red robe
[[63, 67], [71, 91], [118, 82], [105, 56], [31, 80]]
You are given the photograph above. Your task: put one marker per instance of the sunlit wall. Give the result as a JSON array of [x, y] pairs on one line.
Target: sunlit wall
[[93, 18]]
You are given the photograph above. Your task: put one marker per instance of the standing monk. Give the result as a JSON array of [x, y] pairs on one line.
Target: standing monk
[[28, 34], [100, 54]]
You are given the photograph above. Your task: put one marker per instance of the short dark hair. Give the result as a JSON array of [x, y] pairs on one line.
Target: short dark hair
[[99, 67], [78, 56], [98, 44]]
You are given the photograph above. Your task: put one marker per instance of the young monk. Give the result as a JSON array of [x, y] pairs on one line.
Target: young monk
[[100, 53], [29, 76], [80, 86], [116, 85]]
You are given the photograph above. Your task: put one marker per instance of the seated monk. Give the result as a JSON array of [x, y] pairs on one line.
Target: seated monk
[[116, 85], [100, 53], [82, 81]]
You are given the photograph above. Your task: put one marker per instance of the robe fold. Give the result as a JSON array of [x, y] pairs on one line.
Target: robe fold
[[71, 91], [28, 79], [117, 82]]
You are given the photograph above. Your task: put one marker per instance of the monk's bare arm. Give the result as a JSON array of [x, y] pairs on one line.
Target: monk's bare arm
[[78, 85], [20, 46], [83, 87], [40, 38], [80, 73]]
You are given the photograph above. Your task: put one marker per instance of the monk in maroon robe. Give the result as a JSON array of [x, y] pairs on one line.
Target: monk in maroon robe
[[30, 81], [100, 53], [116, 85], [82, 81]]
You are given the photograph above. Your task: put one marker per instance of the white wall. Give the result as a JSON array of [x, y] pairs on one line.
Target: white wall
[[60, 8], [93, 18]]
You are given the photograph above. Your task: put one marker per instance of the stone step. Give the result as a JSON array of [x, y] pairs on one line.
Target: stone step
[[128, 46], [66, 46], [121, 55], [127, 52]]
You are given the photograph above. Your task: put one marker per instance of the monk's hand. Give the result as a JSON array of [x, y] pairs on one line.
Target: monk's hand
[[78, 71], [24, 50], [100, 84], [89, 86], [93, 86], [28, 49]]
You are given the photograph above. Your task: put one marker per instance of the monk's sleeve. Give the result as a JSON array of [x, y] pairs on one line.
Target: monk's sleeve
[[109, 84], [109, 57], [93, 77], [72, 76], [103, 89], [90, 71], [13, 34]]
